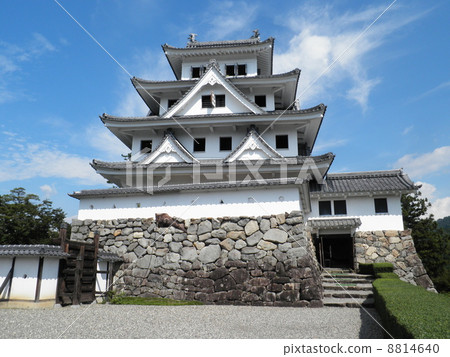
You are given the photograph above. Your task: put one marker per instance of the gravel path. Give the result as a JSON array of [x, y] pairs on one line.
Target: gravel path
[[209, 321]]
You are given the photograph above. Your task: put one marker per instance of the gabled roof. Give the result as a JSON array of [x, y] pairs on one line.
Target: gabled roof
[[169, 146], [263, 50], [393, 181], [253, 143], [211, 77]]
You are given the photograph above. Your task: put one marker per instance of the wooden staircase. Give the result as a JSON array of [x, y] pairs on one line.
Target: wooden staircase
[[344, 288]]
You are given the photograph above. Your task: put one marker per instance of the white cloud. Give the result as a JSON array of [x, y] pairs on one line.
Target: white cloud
[[321, 34], [440, 207], [439, 87], [21, 162], [12, 57], [230, 17], [48, 190], [105, 142], [407, 130], [425, 164], [147, 65], [330, 144]]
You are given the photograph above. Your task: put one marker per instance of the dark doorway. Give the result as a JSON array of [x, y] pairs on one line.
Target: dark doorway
[[335, 251]]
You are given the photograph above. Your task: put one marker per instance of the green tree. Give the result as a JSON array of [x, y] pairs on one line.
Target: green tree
[[24, 219], [432, 243]]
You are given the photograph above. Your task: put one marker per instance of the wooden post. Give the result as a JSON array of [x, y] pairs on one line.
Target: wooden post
[[78, 274], [12, 278], [96, 244], [39, 279], [63, 234]]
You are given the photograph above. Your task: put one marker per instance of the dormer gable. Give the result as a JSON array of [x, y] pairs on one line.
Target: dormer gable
[[213, 84], [170, 150], [253, 147]]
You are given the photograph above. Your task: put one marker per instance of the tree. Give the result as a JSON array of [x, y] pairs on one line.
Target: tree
[[432, 243], [24, 219]]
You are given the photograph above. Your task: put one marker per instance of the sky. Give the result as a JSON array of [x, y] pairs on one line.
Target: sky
[[381, 68]]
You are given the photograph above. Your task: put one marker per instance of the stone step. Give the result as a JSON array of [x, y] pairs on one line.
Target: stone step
[[347, 281], [347, 286], [343, 294], [349, 302], [347, 276]]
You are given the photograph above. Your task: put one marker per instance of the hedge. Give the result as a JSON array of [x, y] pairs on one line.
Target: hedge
[[375, 268], [409, 311]]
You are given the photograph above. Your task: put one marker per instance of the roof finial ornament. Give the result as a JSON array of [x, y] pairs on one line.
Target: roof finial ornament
[[256, 34], [192, 37]]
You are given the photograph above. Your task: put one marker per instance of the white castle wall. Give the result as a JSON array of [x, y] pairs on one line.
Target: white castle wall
[[207, 204], [364, 208], [212, 140]]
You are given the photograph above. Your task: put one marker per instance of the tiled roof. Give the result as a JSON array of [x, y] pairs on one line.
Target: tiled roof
[[232, 79], [317, 108], [122, 165], [368, 181], [214, 44], [183, 187], [333, 223], [108, 257], [40, 250]]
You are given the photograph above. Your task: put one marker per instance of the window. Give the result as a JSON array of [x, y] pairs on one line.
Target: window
[[260, 100], [381, 205], [146, 146], [229, 70], [225, 143], [282, 141], [196, 72], [340, 207], [242, 69], [236, 69], [208, 103], [325, 208], [220, 100], [199, 144], [171, 102]]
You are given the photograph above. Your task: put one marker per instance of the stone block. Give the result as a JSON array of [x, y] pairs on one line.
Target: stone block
[[209, 254], [251, 227], [240, 275], [227, 283], [204, 227], [264, 245], [394, 240], [254, 238], [240, 244], [264, 226], [275, 235], [228, 244], [234, 255], [231, 226], [204, 237], [391, 233], [219, 233], [189, 254]]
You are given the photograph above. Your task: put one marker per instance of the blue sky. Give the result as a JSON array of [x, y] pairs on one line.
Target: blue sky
[[387, 94]]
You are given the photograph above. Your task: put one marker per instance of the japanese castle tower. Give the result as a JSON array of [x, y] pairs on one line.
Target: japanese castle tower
[[227, 138]]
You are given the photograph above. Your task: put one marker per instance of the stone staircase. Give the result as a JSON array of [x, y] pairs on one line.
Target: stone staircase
[[345, 288]]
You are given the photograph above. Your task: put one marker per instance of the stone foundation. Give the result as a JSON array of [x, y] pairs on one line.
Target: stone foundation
[[231, 260], [396, 247]]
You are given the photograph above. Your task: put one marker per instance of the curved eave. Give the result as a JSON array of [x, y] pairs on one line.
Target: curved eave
[[151, 91], [174, 54]]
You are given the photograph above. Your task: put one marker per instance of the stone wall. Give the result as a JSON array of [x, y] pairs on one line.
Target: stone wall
[[396, 247], [231, 260]]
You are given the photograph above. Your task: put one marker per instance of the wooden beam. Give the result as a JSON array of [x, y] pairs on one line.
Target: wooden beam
[[39, 280], [11, 278]]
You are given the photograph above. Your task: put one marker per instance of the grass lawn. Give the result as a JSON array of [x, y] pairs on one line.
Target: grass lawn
[[134, 300]]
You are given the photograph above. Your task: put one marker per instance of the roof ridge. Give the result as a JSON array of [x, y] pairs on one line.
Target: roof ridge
[[374, 173]]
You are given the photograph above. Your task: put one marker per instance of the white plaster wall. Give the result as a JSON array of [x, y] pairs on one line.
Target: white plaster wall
[[5, 267], [101, 283], [49, 278], [213, 142], [194, 204], [24, 288], [364, 208], [250, 61]]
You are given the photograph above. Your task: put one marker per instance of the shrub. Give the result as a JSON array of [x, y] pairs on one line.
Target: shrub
[[409, 311], [387, 275], [375, 268]]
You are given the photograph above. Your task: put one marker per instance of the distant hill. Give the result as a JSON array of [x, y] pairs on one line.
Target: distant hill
[[444, 223]]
